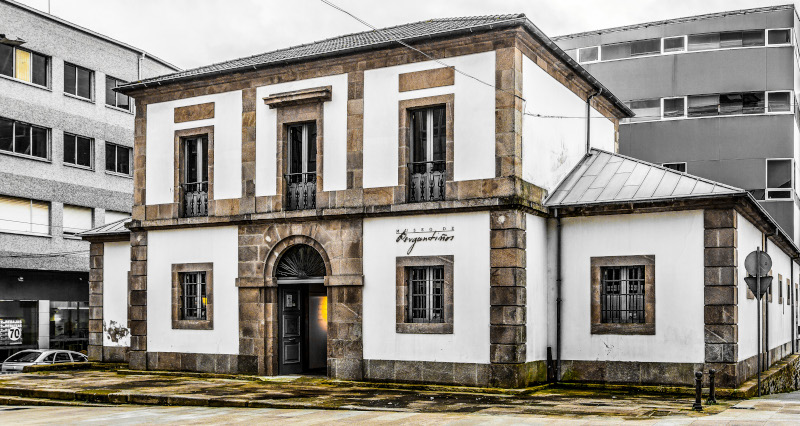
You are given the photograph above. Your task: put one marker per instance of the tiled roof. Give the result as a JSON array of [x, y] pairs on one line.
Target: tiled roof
[[603, 177], [676, 21], [113, 228]]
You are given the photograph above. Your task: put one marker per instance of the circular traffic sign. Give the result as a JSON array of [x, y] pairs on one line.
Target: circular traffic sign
[[758, 260]]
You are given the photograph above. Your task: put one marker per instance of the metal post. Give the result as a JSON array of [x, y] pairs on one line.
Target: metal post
[[712, 392], [758, 312], [698, 391]]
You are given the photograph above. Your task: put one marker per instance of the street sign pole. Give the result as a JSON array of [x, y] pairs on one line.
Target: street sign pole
[[758, 320]]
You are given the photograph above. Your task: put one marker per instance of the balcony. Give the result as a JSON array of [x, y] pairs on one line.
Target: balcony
[[301, 191], [195, 199], [426, 181]]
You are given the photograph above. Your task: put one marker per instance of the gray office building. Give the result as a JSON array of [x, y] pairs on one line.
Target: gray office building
[[65, 166], [715, 96]]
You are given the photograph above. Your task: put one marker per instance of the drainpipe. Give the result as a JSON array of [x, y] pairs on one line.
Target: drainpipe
[[557, 369], [589, 118], [139, 69], [791, 304]]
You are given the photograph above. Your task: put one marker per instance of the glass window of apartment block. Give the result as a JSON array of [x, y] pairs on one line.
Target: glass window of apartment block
[[78, 81], [674, 44], [69, 325], [726, 40], [588, 54], [674, 107], [22, 215], [631, 49], [113, 98], [23, 138], [645, 109], [779, 36], [23, 65], [779, 101], [118, 159], [779, 179], [77, 219], [678, 167], [112, 216], [78, 150]]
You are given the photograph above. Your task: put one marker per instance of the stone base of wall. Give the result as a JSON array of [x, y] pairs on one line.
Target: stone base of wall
[[115, 354], [202, 363], [636, 373], [748, 368], [455, 373], [786, 378]]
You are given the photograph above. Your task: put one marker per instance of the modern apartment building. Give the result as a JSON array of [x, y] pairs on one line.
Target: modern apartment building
[[65, 166], [714, 96]]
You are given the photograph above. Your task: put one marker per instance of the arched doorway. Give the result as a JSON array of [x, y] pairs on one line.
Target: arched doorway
[[302, 311]]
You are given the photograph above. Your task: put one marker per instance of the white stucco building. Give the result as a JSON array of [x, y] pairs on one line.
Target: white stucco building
[[353, 208]]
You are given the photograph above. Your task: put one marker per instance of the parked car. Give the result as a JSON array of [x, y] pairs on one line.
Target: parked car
[[15, 363]]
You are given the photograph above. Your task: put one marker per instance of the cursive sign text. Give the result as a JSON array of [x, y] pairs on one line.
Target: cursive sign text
[[423, 236]]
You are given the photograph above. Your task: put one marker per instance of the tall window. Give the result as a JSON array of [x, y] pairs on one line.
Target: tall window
[[425, 294], [23, 138], [78, 150], [117, 100], [21, 215], [194, 300], [23, 65], [622, 294], [427, 171], [78, 81], [301, 181], [195, 170], [779, 179], [118, 159]]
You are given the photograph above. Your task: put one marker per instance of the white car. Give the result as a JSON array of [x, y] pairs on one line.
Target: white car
[[15, 363]]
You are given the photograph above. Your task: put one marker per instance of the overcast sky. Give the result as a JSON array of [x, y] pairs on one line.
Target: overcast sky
[[192, 33]]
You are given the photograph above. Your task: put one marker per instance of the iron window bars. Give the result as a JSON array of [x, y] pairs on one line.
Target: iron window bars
[[622, 294], [194, 189], [426, 294], [427, 170], [194, 296], [301, 181]]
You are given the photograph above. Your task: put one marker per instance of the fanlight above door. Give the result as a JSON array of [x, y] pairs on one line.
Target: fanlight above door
[[301, 261]]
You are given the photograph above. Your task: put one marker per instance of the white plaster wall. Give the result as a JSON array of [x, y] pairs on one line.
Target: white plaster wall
[[216, 245], [160, 149], [747, 240], [473, 126], [780, 320], [552, 146], [676, 240], [536, 257], [116, 265], [334, 134], [470, 250]]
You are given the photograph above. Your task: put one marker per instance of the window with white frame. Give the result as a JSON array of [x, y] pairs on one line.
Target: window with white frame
[[24, 139], [24, 65], [193, 301], [645, 109], [78, 81], [118, 159], [117, 100], [725, 104], [630, 49], [78, 150], [678, 167], [779, 179], [673, 44], [674, 107], [779, 37], [76, 219], [779, 101], [725, 40], [589, 54], [22, 215]]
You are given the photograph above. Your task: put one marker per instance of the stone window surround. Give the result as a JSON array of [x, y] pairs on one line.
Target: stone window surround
[[180, 167], [404, 145], [177, 294], [401, 302], [646, 328]]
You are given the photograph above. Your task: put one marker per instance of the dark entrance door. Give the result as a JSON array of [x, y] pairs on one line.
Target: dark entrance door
[[291, 337]]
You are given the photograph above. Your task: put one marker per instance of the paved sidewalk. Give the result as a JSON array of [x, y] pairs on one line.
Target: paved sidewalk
[[108, 387]]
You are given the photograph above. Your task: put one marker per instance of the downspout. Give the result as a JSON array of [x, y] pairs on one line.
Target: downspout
[[139, 68], [791, 304], [589, 118], [557, 374]]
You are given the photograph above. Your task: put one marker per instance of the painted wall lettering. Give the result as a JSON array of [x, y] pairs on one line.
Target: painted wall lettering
[[424, 235]]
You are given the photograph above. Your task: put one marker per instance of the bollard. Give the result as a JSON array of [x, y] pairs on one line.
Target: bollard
[[698, 391], [712, 392]]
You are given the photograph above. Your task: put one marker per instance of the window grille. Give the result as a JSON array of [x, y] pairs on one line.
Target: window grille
[[194, 296], [426, 294], [622, 294]]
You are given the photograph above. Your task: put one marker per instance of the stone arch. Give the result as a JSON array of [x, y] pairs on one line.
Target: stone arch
[[274, 256]]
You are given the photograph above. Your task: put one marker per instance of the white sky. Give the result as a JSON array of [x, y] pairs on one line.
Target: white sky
[[192, 33]]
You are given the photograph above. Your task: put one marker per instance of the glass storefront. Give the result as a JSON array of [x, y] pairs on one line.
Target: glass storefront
[[16, 315], [69, 325]]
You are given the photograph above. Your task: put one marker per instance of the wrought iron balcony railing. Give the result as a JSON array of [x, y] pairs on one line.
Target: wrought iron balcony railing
[[195, 199], [301, 191], [426, 181]]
